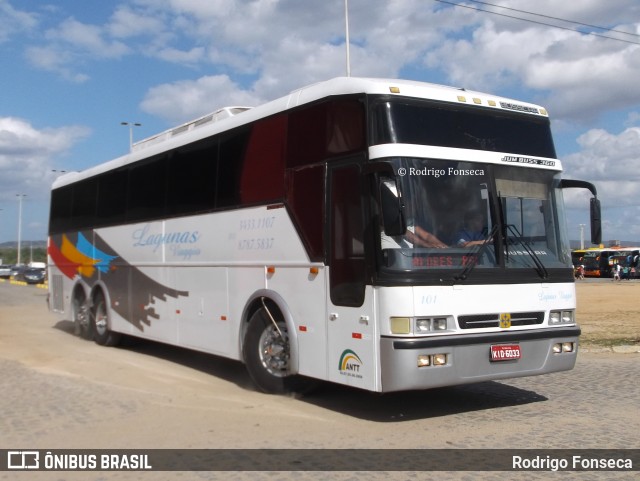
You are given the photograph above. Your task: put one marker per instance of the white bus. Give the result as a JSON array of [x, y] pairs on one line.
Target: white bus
[[327, 235]]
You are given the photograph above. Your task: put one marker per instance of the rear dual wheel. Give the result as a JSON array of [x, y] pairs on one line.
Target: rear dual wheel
[[80, 316], [100, 324]]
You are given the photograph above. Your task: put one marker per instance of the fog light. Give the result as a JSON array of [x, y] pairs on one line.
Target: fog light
[[439, 359], [567, 347], [557, 348], [440, 324], [423, 325], [424, 360]]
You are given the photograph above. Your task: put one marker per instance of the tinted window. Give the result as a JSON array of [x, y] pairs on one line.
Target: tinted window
[[324, 130], [459, 126], [305, 197], [262, 176], [232, 149], [85, 195], [192, 178], [112, 197], [61, 202], [147, 186]]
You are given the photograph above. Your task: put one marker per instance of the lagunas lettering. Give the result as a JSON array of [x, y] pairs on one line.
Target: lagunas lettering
[[142, 238]]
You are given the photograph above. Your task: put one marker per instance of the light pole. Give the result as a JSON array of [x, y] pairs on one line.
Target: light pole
[[581, 236], [346, 35], [20, 197], [131, 126]]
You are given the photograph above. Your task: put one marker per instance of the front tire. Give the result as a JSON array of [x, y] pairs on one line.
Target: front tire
[[102, 334], [267, 353]]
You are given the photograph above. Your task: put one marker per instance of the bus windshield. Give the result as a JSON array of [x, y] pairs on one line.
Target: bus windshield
[[463, 216]]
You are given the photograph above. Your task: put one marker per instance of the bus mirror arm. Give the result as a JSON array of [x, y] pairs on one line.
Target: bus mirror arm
[[595, 216]]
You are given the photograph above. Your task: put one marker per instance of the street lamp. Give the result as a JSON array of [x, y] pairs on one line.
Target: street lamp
[[131, 126], [20, 197]]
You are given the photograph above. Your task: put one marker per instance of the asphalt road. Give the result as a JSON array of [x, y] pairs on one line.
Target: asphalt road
[[58, 391]]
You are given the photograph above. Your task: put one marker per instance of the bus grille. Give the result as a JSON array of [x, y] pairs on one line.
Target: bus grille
[[483, 321]]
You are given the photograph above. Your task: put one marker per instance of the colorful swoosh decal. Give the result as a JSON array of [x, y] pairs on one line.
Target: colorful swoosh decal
[[102, 260], [133, 294]]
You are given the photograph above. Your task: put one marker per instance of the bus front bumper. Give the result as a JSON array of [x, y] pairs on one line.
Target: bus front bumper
[[421, 363]]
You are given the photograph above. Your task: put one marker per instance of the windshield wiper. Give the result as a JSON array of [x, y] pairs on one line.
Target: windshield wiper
[[475, 251], [540, 268]]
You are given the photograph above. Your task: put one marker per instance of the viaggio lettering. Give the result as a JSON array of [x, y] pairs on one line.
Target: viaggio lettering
[[142, 238]]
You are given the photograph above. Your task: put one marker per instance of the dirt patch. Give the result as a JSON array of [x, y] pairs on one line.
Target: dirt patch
[[609, 313]]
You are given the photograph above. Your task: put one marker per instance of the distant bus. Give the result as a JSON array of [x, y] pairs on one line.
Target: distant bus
[[599, 262], [324, 235], [629, 259], [593, 260]]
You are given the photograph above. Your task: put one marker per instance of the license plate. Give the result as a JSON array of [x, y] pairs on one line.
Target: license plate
[[505, 352]]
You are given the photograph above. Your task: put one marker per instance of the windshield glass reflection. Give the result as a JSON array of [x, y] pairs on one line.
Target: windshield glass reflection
[[462, 216]]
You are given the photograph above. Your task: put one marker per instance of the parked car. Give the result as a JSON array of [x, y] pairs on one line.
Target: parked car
[[5, 271], [17, 271], [34, 275]]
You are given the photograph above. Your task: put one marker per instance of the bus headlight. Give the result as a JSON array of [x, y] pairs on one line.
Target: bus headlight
[[420, 325], [567, 316], [423, 326], [440, 324]]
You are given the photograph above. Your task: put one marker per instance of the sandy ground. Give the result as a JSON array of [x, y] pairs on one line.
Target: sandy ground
[[59, 391], [609, 313]]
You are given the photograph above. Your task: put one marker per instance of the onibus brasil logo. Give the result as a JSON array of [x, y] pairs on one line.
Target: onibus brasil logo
[[350, 364]]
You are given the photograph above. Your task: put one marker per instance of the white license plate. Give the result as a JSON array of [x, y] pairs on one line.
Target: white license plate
[[505, 352]]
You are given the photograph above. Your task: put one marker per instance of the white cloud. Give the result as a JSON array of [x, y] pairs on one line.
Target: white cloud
[[27, 155], [88, 39], [581, 75], [184, 100], [53, 59], [610, 161], [127, 22], [14, 21]]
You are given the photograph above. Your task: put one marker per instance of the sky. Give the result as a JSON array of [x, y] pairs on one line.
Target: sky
[[71, 71]]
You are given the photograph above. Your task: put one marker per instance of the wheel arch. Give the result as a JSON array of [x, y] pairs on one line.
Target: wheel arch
[[80, 287], [272, 300], [100, 288]]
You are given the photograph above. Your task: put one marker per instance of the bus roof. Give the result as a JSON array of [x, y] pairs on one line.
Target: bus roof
[[230, 117]]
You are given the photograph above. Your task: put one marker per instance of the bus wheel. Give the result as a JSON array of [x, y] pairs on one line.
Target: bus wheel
[[100, 323], [266, 353], [80, 316]]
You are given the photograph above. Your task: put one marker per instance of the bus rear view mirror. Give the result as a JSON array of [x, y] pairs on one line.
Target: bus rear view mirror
[[596, 219], [596, 222], [391, 206]]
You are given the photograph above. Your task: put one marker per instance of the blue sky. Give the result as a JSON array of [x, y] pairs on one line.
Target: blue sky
[[71, 72]]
